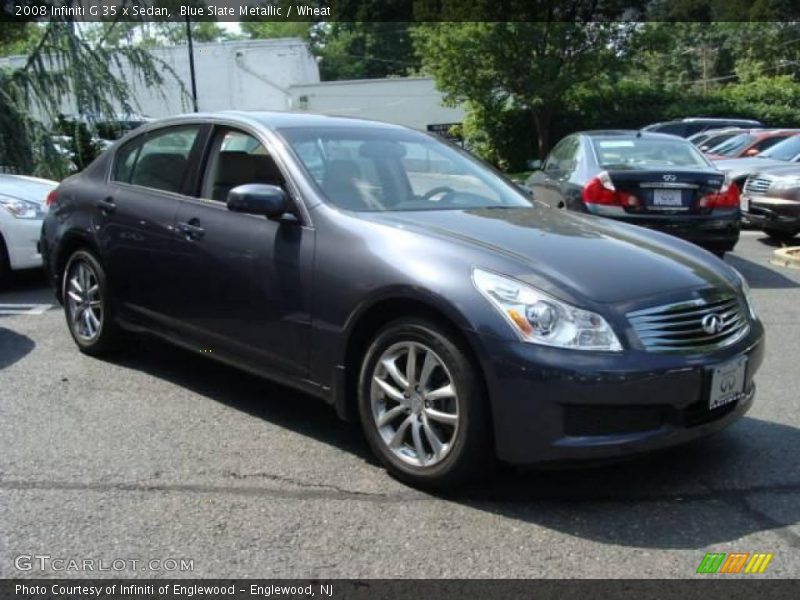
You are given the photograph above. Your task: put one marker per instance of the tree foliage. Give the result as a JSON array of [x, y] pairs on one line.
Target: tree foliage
[[526, 67], [92, 74]]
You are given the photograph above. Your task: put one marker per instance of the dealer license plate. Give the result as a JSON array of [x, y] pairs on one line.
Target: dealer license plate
[[667, 198], [727, 382]]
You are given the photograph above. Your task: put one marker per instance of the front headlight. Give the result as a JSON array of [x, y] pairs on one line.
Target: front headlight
[[22, 209], [748, 295], [539, 318]]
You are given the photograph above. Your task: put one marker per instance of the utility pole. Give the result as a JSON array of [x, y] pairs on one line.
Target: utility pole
[[191, 63]]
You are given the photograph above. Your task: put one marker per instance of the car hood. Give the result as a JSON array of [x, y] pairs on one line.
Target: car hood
[[31, 189], [736, 167], [590, 257]]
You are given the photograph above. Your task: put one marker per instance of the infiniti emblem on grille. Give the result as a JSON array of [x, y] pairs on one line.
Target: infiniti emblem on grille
[[712, 323]]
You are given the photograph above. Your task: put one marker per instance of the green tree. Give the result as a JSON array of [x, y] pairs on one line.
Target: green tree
[[64, 66], [528, 67]]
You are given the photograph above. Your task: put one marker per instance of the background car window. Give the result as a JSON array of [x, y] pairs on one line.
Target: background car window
[[733, 145], [787, 149], [238, 158], [375, 170], [158, 161], [642, 152], [562, 158]]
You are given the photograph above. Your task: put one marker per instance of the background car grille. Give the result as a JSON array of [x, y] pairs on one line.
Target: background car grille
[[678, 327], [756, 185]]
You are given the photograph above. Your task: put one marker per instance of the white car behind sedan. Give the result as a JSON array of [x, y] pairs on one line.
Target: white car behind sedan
[[22, 208]]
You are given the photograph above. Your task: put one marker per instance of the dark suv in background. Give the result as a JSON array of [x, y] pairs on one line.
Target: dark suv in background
[[691, 125]]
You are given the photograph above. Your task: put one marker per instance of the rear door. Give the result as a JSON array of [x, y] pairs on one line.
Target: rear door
[[244, 280], [136, 217]]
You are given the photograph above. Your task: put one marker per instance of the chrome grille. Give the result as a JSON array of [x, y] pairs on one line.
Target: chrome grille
[[679, 327], [756, 185]]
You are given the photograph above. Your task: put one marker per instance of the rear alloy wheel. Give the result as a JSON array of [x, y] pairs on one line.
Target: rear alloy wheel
[[780, 235], [422, 407], [86, 304]]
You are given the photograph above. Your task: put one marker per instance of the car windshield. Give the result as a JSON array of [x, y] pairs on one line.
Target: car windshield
[[788, 149], [734, 145], [644, 152], [383, 169]]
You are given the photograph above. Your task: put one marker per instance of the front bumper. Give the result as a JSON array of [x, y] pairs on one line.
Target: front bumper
[[21, 237], [552, 405], [773, 213]]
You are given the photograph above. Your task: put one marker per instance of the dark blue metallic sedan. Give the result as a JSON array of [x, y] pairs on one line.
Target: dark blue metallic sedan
[[408, 285]]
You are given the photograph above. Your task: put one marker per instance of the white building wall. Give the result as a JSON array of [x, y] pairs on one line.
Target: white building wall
[[410, 101], [280, 74], [245, 75]]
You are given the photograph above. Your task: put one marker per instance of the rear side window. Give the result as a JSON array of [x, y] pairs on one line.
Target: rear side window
[[158, 160]]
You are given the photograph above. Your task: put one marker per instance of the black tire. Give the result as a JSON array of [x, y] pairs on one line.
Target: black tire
[[5, 266], [780, 235], [108, 333], [469, 455]]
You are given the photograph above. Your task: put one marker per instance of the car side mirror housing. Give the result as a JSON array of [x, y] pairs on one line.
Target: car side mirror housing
[[258, 199]]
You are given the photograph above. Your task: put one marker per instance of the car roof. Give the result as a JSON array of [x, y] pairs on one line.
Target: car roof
[[274, 119], [628, 133]]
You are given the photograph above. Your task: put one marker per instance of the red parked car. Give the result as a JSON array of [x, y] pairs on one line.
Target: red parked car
[[749, 143]]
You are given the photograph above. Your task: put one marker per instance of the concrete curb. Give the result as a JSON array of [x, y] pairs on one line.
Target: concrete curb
[[787, 257]]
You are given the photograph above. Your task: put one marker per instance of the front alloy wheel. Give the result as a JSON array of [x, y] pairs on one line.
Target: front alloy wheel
[[414, 404], [422, 405]]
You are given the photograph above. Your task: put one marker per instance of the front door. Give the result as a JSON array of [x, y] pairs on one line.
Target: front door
[[245, 279]]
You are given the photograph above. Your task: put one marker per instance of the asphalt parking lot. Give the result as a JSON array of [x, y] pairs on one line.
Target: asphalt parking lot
[[161, 454]]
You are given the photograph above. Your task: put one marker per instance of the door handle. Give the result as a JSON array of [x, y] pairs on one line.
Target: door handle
[[106, 205], [191, 230]]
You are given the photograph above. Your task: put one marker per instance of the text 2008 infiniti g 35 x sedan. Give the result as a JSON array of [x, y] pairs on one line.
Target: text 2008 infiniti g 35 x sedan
[[408, 285]]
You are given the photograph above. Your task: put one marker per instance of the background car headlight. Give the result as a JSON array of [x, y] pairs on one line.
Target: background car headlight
[[748, 295], [784, 184], [22, 209], [539, 318]]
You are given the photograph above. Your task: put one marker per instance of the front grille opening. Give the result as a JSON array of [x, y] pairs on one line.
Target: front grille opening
[[680, 327], [608, 420]]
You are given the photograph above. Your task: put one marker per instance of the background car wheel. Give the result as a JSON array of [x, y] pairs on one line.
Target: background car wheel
[[422, 406], [5, 267], [87, 307], [780, 235]]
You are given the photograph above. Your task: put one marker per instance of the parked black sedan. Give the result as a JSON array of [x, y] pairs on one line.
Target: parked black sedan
[[648, 179], [408, 285]]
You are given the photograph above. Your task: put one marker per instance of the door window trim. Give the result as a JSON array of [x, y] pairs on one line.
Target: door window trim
[[142, 138], [195, 182]]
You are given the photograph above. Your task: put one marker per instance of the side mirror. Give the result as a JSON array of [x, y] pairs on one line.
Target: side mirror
[[258, 199], [525, 189]]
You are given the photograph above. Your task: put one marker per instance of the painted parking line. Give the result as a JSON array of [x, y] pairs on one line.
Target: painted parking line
[[24, 309]]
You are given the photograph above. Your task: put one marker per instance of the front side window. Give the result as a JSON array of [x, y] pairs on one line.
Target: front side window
[[376, 169], [643, 152], [237, 158], [157, 160]]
